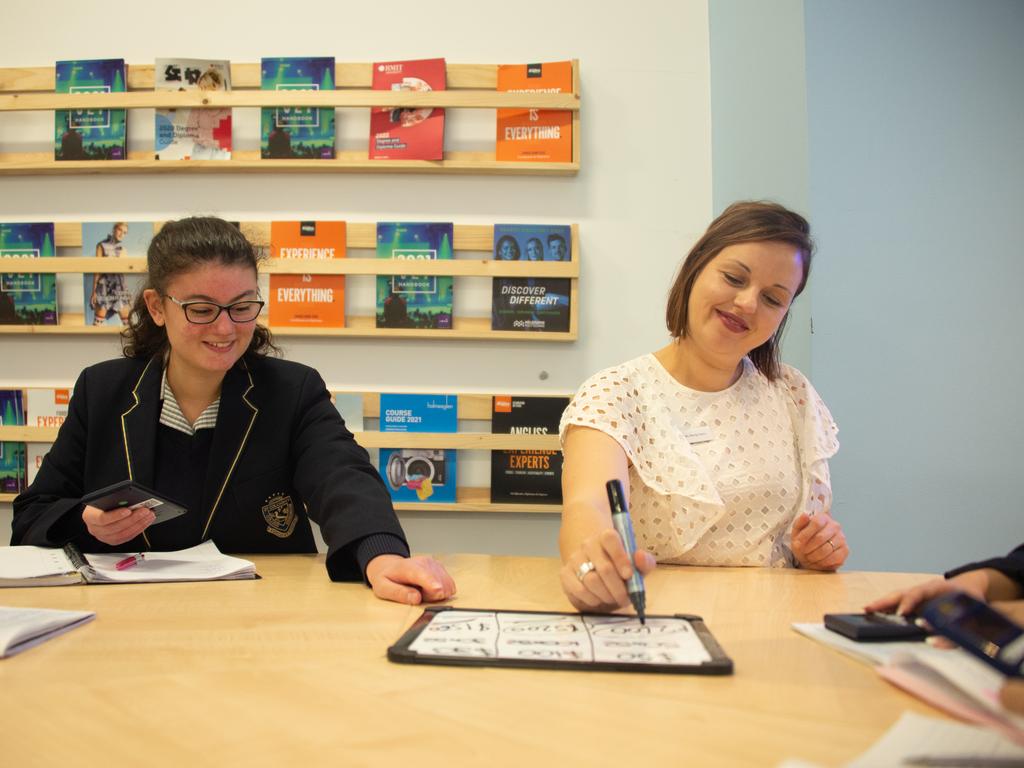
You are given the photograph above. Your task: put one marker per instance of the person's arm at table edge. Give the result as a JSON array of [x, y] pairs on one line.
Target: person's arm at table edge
[[587, 535], [1000, 578], [591, 458], [1005, 575]]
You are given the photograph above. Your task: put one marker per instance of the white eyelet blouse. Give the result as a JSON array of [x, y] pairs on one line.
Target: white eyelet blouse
[[715, 478]]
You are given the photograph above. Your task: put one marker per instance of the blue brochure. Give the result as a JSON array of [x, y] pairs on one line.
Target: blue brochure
[[418, 413]]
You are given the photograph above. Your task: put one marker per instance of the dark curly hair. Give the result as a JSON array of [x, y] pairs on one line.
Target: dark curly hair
[[743, 222], [180, 246]]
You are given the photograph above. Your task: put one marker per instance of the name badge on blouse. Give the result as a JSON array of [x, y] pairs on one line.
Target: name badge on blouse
[[699, 435]]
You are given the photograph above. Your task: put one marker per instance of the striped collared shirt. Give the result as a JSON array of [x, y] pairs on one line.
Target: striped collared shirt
[[171, 415]]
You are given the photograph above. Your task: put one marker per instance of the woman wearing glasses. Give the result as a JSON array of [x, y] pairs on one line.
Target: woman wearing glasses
[[251, 445]]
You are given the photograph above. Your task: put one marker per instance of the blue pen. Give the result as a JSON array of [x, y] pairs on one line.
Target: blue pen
[[623, 526]]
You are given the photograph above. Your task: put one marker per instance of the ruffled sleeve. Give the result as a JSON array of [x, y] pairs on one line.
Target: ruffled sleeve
[[629, 404], [817, 439]]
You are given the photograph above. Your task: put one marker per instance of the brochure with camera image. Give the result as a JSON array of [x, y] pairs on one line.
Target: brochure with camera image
[[90, 134], [415, 301], [12, 454], [193, 133], [531, 303], [107, 298], [27, 298], [402, 133], [418, 413], [419, 474], [526, 477], [297, 132], [307, 301], [535, 135]]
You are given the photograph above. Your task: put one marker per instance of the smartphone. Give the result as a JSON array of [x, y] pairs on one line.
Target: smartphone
[[130, 494], [874, 627], [979, 629]]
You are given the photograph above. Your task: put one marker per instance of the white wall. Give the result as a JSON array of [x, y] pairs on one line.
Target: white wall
[[642, 198]]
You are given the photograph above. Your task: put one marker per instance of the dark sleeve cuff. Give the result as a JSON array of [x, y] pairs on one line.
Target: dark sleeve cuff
[[58, 524], [363, 550], [1012, 568]]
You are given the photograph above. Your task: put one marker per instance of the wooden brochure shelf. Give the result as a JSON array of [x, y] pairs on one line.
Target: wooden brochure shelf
[[477, 441], [478, 500], [470, 86], [467, 237], [475, 407]]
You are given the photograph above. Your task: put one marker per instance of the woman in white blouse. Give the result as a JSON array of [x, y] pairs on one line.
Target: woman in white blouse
[[722, 448]]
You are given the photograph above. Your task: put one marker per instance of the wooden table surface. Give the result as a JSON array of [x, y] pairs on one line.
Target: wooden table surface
[[291, 669]]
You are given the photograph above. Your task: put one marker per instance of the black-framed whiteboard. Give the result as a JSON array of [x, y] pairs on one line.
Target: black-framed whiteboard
[[679, 644]]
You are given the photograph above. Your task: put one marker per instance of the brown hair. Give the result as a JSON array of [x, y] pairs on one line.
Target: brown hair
[[743, 222], [180, 246]]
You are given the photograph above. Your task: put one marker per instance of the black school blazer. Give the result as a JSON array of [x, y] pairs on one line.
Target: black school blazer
[[280, 452]]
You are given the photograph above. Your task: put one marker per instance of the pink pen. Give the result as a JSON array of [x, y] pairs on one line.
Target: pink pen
[[129, 562]]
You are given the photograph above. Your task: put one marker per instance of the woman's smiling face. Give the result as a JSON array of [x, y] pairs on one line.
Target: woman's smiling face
[[742, 295]]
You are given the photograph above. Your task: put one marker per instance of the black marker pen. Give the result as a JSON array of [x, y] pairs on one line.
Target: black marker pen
[[623, 526]]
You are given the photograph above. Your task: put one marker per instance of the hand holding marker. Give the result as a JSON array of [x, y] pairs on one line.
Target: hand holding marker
[[623, 526]]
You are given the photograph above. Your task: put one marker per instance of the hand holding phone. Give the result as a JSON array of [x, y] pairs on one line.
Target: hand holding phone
[[118, 513], [979, 629], [116, 526], [132, 495]]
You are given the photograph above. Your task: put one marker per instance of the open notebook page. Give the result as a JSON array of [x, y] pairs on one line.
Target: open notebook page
[[203, 562]]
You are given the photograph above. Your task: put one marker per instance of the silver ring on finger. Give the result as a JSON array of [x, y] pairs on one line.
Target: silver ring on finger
[[834, 547], [585, 568]]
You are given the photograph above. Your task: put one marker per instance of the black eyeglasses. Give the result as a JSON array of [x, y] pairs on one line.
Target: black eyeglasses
[[206, 312]]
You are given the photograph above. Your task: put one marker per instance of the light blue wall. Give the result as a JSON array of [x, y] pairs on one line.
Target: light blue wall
[[914, 171], [759, 122], [916, 128]]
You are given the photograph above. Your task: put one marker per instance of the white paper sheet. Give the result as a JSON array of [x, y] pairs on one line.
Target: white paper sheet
[[914, 735], [23, 628], [557, 637], [26, 562], [203, 562]]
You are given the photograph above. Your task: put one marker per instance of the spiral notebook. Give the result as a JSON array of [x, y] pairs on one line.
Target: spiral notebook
[[26, 566]]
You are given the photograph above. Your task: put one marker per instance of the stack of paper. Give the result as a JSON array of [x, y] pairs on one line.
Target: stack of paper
[[917, 740], [200, 563], [25, 566], [947, 678]]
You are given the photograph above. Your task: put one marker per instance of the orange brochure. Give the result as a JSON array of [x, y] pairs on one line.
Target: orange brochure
[[305, 301], [535, 135]]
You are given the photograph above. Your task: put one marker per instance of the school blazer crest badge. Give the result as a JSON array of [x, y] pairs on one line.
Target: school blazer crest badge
[[279, 512]]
